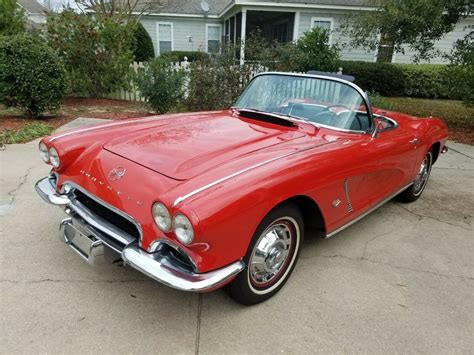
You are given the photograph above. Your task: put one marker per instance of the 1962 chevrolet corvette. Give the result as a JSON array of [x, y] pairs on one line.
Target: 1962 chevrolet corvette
[[201, 200]]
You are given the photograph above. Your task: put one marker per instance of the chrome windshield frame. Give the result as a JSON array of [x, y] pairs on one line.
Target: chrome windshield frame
[[372, 130]]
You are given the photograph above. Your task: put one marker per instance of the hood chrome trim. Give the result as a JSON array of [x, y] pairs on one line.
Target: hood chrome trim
[[225, 178]]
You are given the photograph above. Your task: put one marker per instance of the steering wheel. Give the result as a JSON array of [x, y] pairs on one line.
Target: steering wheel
[[328, 117]]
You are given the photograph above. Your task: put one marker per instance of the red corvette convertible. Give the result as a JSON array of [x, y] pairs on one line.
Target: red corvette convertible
[[201, 200]]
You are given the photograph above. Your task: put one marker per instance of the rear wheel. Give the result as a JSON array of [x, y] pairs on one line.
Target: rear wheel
[[413, 192], [271, 256]]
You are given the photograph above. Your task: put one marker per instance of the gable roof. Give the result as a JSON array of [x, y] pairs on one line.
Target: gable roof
[[193, 7], [32, 6]]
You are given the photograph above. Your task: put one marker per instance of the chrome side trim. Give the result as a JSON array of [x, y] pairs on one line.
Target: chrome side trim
[[372, 209], [159, 269], [225, 178], [346, 194], [98, 126]]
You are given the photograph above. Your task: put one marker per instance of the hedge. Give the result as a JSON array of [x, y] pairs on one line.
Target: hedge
[[178, 56], [413, 80]]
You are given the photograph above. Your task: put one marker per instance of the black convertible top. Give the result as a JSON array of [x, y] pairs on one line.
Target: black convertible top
[[332, 75]]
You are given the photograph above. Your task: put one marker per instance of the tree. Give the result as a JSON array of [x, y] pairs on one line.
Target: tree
[[12, 18], [122, 10], [416, 24], [96, 52], [143, 50]]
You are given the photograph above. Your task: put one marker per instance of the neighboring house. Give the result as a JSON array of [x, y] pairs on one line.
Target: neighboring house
[[195, 25], [35, 13]]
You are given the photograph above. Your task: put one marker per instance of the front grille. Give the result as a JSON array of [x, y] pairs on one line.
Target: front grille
[[109, 215]]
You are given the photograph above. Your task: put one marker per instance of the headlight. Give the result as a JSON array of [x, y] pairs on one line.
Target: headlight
[[161, 216], [43, 149], [183, 229], [54, 157]]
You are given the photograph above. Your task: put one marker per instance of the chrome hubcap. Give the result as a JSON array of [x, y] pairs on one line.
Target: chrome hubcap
[[423, 173], [271, 253]]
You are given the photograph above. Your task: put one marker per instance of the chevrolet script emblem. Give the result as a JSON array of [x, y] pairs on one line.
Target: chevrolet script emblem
[[116, 173]]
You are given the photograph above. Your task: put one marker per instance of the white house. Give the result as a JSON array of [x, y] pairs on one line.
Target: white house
[[192, 25]]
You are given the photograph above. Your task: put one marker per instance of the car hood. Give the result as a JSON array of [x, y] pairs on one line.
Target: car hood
[[184, 148]]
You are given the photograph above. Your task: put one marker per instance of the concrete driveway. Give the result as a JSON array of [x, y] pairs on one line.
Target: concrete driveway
[[400, 280]]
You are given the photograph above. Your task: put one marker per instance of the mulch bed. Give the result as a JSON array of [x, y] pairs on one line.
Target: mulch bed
[[78, 107]]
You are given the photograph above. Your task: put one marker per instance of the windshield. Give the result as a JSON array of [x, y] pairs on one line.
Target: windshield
[[324, 102]]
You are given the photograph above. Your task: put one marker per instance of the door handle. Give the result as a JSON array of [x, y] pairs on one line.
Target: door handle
[[414, 141]]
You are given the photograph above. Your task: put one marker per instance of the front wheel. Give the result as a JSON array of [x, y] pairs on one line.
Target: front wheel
[[271, 256], [413, 192]]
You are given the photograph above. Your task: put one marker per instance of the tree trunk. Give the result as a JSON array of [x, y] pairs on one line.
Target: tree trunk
[[385, 49]]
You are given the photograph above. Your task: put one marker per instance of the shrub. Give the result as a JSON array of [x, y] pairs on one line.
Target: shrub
[[314, 53], [12, 18], [178, 56], [143, 45], [414, 80], [32, 77], [383, 78], [97, 52], [216, 83], [425, 80], [161, 87], [461, 69]]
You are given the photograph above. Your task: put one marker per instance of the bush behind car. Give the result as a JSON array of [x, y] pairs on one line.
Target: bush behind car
[[32, 77]]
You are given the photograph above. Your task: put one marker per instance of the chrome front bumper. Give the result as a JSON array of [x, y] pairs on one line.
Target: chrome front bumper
[[92, 237]]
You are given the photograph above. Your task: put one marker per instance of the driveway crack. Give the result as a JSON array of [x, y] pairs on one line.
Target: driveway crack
[[457, 151], [23, 179], [421, 216], [399, 267]]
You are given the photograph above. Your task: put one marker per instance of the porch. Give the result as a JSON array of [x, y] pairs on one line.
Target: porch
[[274, 26]]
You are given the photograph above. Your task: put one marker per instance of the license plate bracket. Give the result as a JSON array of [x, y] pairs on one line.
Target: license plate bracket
[[84, 244]]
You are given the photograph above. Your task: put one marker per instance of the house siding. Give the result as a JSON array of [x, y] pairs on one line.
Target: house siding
[[337, 16], [196, 28], [445, 44]]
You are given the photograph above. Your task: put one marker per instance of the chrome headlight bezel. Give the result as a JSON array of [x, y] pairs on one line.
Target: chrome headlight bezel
[[54, 157], [159, 210], [44, 152], [183, 229]]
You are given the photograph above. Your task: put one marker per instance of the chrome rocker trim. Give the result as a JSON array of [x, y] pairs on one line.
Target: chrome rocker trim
[[158, 265], [369, 211]]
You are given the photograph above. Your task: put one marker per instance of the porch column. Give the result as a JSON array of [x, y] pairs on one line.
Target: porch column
[[296, 25], [242, 36]]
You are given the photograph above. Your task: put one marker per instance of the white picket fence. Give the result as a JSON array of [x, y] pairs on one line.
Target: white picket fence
[[133, 94]]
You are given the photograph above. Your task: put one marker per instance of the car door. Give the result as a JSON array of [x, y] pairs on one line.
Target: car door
[[397, 154], [344, 179]]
